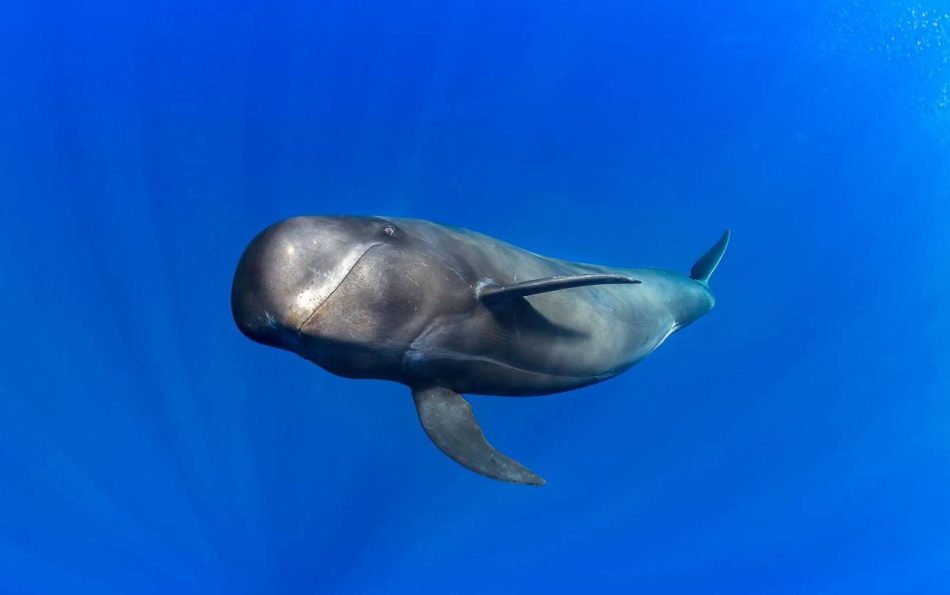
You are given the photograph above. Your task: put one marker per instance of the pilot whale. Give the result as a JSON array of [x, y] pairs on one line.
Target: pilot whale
[[448, 311]]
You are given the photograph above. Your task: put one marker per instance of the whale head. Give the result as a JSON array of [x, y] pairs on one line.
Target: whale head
[[347, 293], [292, 267]]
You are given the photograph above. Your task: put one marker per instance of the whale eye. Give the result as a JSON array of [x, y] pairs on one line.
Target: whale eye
[[389, 230]]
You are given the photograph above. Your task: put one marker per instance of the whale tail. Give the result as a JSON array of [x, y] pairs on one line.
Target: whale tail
[[704, 267]]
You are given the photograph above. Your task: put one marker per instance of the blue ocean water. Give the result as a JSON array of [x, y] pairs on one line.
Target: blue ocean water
[[796, 440]]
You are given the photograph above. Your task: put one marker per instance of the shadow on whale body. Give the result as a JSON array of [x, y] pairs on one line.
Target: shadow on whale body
[[448, 311]]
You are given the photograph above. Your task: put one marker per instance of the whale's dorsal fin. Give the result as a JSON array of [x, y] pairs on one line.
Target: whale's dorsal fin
[[492, 295], [448, 420], [707, 263]]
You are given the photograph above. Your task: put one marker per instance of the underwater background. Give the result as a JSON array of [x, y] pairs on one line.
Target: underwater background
[[795, 440]]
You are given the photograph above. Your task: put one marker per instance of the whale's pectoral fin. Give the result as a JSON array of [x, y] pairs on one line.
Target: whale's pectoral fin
[[492, 295], [448, 420]]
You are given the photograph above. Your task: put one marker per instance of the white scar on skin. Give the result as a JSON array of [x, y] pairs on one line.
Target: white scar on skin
[[325, 283]]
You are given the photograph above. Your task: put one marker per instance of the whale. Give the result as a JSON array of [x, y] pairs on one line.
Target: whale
[[447, 311]]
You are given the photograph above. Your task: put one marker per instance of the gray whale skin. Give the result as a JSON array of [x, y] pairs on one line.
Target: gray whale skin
[[448, 311]]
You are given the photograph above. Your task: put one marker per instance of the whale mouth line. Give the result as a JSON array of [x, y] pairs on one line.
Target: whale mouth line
[[335, 287]]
